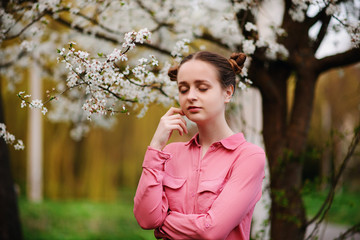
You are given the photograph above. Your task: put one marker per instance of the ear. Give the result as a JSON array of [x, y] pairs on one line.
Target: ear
[[228, 93]]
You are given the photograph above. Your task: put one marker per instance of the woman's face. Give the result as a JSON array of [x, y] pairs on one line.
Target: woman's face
[[201, 96]]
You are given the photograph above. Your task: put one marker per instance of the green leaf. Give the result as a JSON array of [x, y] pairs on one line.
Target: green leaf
[[357, 130]]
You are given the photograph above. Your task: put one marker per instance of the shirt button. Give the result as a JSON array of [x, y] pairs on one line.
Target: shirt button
[[207, 225], [193, 195]]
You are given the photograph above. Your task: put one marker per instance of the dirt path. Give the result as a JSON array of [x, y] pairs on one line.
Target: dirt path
[[329, 231]]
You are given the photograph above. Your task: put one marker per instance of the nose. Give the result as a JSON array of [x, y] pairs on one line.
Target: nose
[[192, 96]]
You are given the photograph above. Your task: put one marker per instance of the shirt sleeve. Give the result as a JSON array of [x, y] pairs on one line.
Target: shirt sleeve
[[238, 197], [150, 202]]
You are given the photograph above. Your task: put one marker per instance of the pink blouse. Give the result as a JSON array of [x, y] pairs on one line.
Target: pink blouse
[[186, 196]]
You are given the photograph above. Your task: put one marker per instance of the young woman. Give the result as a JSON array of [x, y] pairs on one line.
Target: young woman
[[206, 188]]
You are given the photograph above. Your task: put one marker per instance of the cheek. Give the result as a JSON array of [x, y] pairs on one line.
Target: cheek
[[181, 101]]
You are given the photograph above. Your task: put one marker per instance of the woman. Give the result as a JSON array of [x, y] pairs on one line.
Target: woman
[[206, 188]]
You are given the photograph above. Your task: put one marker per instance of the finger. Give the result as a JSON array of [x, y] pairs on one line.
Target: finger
[[178, 128], [174, 117], [173, 111], [182, 122]]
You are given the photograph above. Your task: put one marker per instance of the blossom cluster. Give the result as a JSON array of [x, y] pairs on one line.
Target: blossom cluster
[[7, 21], [34, 104], [108, 83], [297, 12], [143, 35], [181, 46], [273, 50], [354, 31], [10, 138]]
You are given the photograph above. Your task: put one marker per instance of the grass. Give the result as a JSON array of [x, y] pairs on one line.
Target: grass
[[345, 209], [86, 220]]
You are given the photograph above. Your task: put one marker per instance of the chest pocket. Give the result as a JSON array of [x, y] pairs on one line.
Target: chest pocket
[[208, 191], [174, 191]]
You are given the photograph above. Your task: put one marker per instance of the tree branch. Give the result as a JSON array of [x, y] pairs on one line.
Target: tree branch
[[151, 14], [108, 38], [328, 201], [288, 5], [351, 231], [322, 32], [339, 60], [318, 17], [96, 22], [26, 27], [8, 64], [208, 37]]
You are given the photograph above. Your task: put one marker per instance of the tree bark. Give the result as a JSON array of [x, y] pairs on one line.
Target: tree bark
[[10, 227], [285, 133]]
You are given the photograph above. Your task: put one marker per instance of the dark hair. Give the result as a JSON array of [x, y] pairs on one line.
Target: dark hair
[[226, 68]]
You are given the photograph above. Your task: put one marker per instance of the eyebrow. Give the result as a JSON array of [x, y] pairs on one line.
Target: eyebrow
[[196, 82]]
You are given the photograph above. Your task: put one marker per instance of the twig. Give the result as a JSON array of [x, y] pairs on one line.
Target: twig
[[8, 64], [351, 231], [330, 197], [26, 27]]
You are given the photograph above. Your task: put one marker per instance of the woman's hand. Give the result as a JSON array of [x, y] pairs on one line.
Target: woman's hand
[[172, 120]]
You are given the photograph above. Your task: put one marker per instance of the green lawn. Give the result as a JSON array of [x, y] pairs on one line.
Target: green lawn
[[86, 220], [70, 220], [345, 209]]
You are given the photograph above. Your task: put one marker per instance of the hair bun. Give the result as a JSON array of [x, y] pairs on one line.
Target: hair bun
[[237, 61], [172, 73]]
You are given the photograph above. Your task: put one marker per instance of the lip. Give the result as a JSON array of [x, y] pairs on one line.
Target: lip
[[193, 109]]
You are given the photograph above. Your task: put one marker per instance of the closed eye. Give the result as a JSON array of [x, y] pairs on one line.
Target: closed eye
[[183, 89], [203, 87]]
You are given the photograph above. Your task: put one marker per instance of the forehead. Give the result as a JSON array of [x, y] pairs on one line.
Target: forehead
[[194, 70]]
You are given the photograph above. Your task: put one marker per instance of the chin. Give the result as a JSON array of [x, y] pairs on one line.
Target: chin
[[195, 118]]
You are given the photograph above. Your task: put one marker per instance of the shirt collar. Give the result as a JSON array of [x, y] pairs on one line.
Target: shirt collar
[[230, 143]]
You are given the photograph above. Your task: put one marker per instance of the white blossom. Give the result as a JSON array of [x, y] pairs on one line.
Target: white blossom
[[115, 55], [10, 138], [180, 47], [332, 9], [44, 110], [249, 26], [242, 85], [19, 145], [297, 12], [248, 46], [27, 46], [36, 103], [143, 60]]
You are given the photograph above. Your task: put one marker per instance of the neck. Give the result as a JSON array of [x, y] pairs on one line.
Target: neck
[[215, 131]]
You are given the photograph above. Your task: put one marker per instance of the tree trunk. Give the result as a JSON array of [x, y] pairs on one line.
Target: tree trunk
[[35, 141], [10, 227], [285, 140]]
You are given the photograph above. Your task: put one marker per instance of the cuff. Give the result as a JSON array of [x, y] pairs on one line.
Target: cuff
[[155, 159]]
